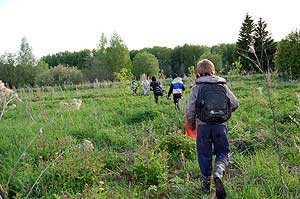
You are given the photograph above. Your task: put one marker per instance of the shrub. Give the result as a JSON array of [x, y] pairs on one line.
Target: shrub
[[124, 75], [150, 168], [145, 63], [287, 58], [177, 145], [60, 75]]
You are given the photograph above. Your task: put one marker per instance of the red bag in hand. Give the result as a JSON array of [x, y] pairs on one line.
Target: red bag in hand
[[190, 133]]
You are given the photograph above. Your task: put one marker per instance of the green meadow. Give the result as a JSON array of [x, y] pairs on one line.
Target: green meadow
[[140, 149]]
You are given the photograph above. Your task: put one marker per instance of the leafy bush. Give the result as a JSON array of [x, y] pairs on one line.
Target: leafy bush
[[149, 168], [287, 58], [178, 144], [124, 75], [60, 75], [145, 63]]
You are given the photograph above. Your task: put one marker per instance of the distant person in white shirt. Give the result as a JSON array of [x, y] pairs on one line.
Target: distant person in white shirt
[[145, 84]]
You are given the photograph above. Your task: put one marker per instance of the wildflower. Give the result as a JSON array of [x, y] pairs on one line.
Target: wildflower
[[101, 189], [260, 90], [101, 182]]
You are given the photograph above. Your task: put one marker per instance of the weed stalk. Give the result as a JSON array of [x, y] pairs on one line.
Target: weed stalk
[[268, 79]]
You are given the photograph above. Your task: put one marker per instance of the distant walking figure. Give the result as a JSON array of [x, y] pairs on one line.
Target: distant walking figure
[[134, 86], [155, 86], [145, 84], [211, 103], [176, 89]]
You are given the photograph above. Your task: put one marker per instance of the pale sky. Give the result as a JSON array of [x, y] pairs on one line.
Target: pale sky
[[52, 26]]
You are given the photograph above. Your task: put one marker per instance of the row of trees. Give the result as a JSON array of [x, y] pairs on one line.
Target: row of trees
[[21, 68], [170, 60], [112, 58]]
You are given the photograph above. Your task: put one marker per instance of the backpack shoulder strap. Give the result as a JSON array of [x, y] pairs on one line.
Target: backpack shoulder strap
[[223, 83]]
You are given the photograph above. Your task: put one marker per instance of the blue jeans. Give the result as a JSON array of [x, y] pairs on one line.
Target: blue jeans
[[212, 139]]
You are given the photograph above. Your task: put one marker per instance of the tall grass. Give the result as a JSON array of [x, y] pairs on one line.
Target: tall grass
[[141, 150]]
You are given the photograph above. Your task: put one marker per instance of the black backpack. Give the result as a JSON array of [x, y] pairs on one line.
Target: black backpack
[[157, 89], [212, 104]]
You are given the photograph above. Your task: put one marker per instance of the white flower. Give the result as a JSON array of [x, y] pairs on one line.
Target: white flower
[[76, 103], [260, 90]]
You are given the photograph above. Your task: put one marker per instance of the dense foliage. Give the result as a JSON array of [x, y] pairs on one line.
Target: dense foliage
[[226, 51], [287, 57], [76, 59], [145, 63]]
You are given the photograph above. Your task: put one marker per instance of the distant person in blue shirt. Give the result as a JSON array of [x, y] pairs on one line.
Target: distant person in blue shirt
[[176, 89]]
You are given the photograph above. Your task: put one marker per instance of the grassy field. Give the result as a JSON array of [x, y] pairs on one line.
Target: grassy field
[[140, 148]]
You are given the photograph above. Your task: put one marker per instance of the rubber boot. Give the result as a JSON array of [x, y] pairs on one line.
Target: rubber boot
[[218, 176], [205, 186]]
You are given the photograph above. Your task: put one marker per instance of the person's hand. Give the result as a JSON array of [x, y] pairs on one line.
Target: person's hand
[[192, 129]]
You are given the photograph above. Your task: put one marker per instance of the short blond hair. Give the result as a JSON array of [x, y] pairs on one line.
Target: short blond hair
[[144, 77], [205, 68]]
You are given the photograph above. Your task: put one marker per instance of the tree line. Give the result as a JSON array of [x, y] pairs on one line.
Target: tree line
[[111, 56]]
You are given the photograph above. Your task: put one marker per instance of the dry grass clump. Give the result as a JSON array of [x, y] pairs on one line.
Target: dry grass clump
[[86, 145], [6, 97], [76, 104]]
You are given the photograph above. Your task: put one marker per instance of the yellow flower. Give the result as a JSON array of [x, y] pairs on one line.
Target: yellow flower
[[101, 182], [101, 189]]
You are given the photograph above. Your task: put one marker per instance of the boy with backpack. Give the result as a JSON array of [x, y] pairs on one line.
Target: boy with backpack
[[155, 86], [176, 89], [211, 103]]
